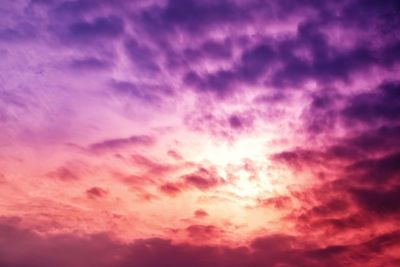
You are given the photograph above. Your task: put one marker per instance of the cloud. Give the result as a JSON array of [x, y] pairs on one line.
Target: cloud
[[381, 105], [21, 33], [146, 93], [121, 143], [64, 174], [100, 28], [170, 189], [223, 125], [375, 140], [174, 154], [189, 16], [214, 68], [280, 202], [378, 170], [21, 247], [96, 192], [141, 56], [238, 122], [89, 63], [200, 213], [202, 180], [293, 60], [102, 251], [73, 7], [204, 232], [344, 224], [252, 64], [381, 202], [209, 50]]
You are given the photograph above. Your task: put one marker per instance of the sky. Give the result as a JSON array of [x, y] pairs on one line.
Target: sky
[[203, 133]]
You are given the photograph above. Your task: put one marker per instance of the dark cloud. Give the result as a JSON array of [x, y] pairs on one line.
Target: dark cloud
[[221, 82], [371, 141], [283, 61], [295, 59], [24, 248], [76, 7], [189, 16], [331, 207], [369, 185], [381, 105], [210, 50], [142, 57], [299, 158], [378, 201], [252, 65], [101, 27], [379, 14], [334, 213], [273, 243], [22, 32], [20, 247], [382, 242], [254, 62], [327, 62], [321, 114], [379, 170], [336, 225], [369, 119], [203, 232]]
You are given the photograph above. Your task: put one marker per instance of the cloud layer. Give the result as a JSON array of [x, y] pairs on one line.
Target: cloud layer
[[199, 133]]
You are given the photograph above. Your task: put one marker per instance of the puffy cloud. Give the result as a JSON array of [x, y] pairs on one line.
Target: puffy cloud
[[272, 116]]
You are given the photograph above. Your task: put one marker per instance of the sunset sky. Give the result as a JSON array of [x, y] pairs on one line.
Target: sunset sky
[[199, 133]]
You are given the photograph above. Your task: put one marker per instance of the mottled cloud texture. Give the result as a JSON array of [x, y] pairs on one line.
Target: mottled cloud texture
[[200, 133]]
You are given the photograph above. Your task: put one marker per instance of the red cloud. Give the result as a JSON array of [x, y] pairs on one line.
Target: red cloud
[[96, 192], [200, 213]]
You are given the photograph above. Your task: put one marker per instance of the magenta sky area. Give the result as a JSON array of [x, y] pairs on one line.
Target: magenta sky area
[[199, 133]]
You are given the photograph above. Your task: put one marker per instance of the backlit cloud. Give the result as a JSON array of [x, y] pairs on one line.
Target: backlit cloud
[[199, 133]]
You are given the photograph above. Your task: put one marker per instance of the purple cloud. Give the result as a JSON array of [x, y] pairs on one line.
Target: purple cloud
[[118, 143]]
